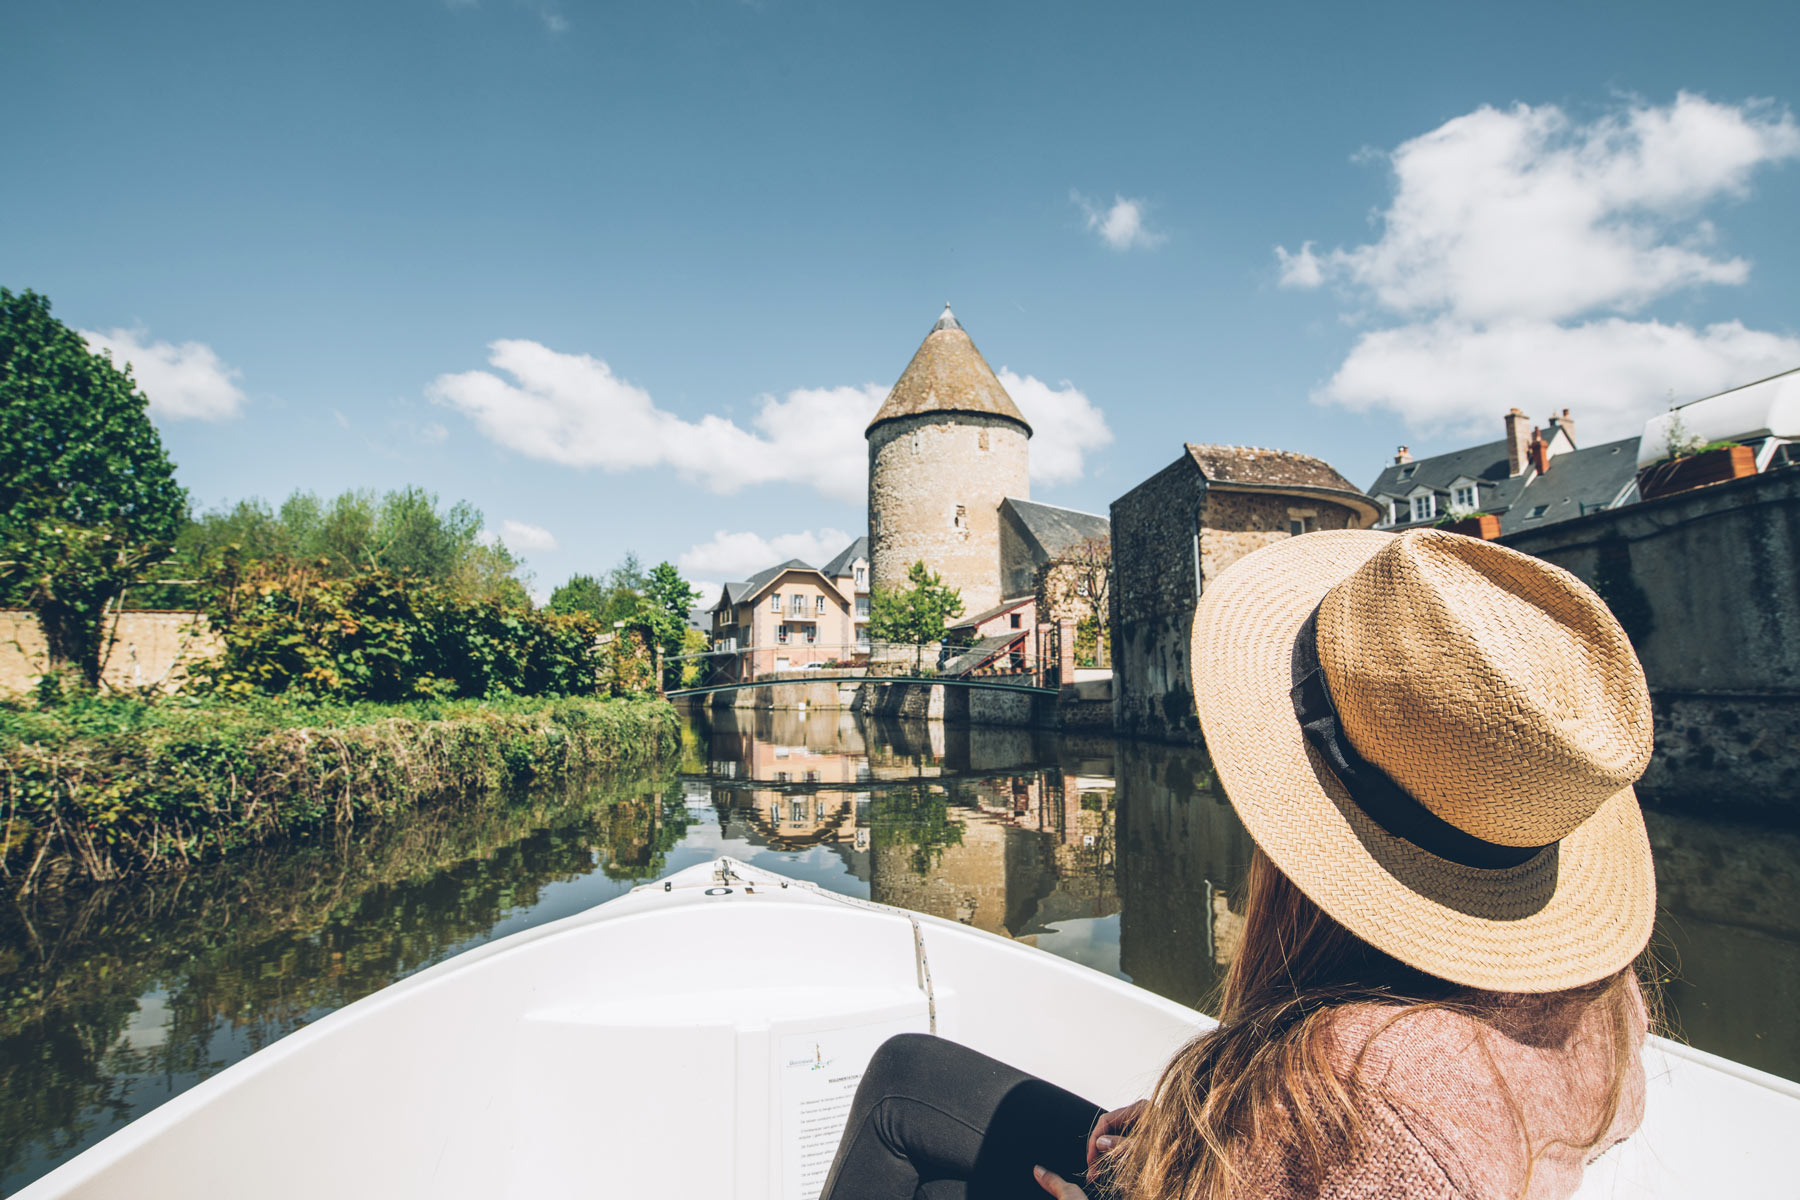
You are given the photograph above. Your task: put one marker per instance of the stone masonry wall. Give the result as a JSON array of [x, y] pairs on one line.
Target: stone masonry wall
[[1706, 584], [1154, 591], [151, 650], [920, 470], [1234, 524]]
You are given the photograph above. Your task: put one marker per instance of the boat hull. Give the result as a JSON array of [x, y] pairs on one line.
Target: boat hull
[[701, 1037]]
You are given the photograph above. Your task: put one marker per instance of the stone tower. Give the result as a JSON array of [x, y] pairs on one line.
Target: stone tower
[[946, 447]]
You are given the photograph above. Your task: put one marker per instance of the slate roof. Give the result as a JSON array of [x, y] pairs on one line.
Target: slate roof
[[735, 594], [840, 566], [1578, 482], [1004, 606], [1495, 490], [948, 375], [1057, 530]]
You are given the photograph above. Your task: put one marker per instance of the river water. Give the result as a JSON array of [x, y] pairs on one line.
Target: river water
[[1122, 856]]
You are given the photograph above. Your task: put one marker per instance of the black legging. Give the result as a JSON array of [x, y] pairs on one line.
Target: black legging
[[933, 1120]]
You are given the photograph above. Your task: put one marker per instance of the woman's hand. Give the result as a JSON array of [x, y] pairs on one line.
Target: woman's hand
[[1056, 1185], [1109, 1130]]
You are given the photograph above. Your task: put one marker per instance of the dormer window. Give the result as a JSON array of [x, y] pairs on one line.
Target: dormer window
[[1465, 495], [861, 575], [1423, 507], [1406, 471]]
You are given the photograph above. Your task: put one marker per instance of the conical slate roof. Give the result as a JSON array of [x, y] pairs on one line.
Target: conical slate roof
[[948, 375]]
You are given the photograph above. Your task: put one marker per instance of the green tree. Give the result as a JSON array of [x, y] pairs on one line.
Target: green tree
[[88, 496], [667, 601], [404, 532], [581, 594], [915, 615]]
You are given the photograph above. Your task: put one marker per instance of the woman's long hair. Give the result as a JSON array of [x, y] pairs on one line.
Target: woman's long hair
[[1269, 1077]]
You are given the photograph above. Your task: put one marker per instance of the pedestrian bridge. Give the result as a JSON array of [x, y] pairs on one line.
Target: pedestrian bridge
[[720, 671]]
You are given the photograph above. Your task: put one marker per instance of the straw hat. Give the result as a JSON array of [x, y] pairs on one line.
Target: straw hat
[[1460, 796]]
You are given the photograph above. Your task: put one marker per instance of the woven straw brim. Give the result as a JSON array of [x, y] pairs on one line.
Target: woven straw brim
[[1574, 913]]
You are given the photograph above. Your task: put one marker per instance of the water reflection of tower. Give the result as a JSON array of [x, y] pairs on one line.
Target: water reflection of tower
[[1180, 869], [1022, 851]]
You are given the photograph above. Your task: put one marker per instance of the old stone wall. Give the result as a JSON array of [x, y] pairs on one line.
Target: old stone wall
[[1707, 583], [149, 650], [1234, 524], [935, 486], [1154, 590]]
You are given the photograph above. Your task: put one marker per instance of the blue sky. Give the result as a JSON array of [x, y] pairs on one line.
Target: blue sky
[[632, 276]]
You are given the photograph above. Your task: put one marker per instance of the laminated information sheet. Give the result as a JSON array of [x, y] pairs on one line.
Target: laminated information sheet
[[819, 1072]]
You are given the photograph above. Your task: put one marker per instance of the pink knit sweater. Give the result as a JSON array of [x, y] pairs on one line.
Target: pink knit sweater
[[1434, 1087]]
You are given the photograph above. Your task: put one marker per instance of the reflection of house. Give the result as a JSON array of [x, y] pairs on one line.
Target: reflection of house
[[1528, 478], [795, 820], [1183, 526]]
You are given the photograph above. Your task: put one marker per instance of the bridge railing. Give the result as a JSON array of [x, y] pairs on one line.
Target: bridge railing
[[800, 660]]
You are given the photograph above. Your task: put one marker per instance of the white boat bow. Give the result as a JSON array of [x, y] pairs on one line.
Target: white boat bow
[[701, 1037]]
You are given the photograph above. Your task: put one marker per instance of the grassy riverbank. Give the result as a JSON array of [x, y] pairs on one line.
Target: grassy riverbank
[[100, 788]]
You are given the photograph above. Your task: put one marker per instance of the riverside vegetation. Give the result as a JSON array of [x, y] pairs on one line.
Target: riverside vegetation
[[377, 653], [100, 787]]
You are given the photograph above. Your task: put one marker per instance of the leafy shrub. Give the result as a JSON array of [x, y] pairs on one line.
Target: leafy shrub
[[293, 630]]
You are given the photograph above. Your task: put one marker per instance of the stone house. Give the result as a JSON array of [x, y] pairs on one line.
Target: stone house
[[1184, 526], [1034, 536], [1527, 479], [1001, 638]]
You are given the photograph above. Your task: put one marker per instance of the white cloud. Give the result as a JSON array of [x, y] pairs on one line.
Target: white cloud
[[571, 409], [185, 381], [740, 555], [1518, 242], [521, 537], [1451, 377], [1065, 426], [433, 433], [1121, 226], [1303, 270]]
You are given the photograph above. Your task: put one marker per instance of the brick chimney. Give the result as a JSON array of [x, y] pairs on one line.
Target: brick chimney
[[1517, 443], [1538, 452], [1403, 455]]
